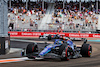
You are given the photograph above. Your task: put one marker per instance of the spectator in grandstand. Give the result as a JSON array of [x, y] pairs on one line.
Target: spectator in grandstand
[[31, 22], [29, 30], [57, 21], [33, 12], [96, 25], [50, 26], [23, 20], [11, 9], [28, 13], [15, 10], [17, 27], [25, 30], [72, 24], [24, 11], [37, 14], [73, 17], [60, 29], [10, 28]]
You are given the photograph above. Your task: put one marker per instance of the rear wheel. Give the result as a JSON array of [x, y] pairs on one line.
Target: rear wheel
[[86, 50]]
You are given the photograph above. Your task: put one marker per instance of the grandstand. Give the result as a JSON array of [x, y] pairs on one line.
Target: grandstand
[[53, 15]]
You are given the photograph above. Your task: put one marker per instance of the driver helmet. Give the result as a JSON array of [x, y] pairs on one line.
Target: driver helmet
[[59, 42]]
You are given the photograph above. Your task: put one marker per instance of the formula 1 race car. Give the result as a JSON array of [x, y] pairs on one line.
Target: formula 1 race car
[[61, 49], [45, 36], [57, 36], [49, 36]]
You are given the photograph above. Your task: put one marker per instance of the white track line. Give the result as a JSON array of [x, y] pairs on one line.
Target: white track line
[[30, 41], [13, 60], [10, 60]]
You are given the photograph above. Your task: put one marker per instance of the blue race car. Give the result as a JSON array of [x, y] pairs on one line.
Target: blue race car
[[61, 49]]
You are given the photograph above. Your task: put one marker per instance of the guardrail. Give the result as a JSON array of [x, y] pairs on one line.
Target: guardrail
[[64, 31]]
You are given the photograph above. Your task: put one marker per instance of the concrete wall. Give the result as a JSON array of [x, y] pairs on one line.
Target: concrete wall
[[3, 18]]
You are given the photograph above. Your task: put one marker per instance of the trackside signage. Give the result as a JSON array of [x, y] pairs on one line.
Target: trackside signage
[[96, 35], [37, 34], [24, 34], [77, 35]]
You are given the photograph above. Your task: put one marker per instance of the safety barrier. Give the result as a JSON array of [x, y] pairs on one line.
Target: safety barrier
[[37, 34]]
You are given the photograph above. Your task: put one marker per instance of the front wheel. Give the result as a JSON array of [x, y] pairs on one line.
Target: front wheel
[[66, 54], [31, 50]]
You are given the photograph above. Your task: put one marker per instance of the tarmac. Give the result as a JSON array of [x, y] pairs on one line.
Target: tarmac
[[18, 50], [93, 61], [14, 50]]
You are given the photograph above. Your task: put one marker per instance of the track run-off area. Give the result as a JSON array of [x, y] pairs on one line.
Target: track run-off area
[[16, 60]]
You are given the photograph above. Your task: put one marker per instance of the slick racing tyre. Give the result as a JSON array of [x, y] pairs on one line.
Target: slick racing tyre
[[86, 50], [66, 54], [49, 37], [31, 48]]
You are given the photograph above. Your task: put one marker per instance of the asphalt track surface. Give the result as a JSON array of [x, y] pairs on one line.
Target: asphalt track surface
[[93, 61]]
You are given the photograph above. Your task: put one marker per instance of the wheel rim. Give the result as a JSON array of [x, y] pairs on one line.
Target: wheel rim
[[67, 53], [89, 50], [32, 49]]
